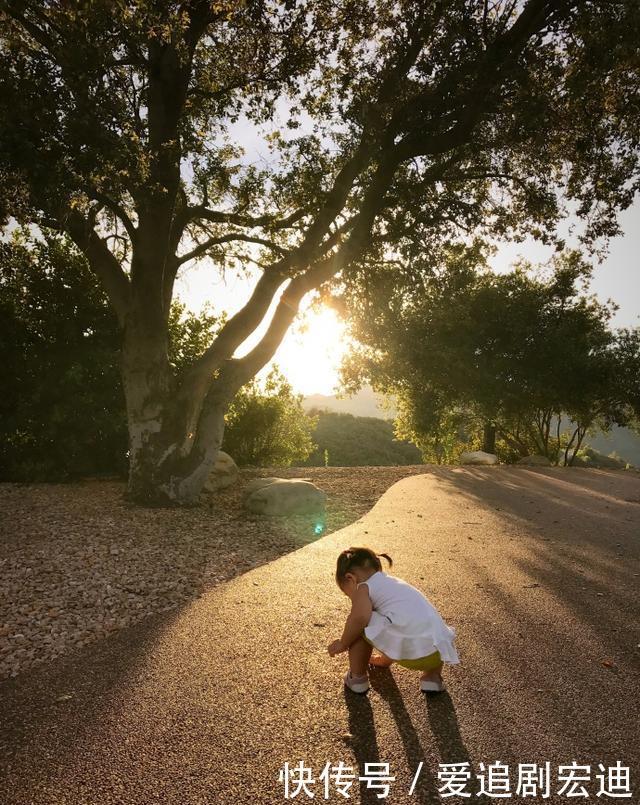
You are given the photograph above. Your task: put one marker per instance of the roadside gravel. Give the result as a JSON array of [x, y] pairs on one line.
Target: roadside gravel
[[78, 562]]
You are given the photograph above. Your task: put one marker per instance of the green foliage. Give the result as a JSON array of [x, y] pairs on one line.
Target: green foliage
[[440, 441], [267, 427], [190, 335], [526, 350], [358, 441], [61, 408], [588, 457]]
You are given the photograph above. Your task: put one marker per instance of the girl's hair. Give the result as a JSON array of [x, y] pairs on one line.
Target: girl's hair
[[358, 557]]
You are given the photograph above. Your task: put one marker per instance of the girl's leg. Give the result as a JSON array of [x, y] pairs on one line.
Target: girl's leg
[[359, 654], [432, 676], [381, 661]]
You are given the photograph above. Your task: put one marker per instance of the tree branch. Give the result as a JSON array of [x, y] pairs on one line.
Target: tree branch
[[116, 209], [102, 263], [245, 368], [14, 10], [234, 332], [265, 221], [202, 248], [488, 69], [238, 372]]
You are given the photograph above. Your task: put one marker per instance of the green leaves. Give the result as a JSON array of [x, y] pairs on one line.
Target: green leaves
[[520, 350], [62, 407], [267, 427]]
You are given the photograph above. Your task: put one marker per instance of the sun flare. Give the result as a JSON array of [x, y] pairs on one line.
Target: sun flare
[[311, 353]]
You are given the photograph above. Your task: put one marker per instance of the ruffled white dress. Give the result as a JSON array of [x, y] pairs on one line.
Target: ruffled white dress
[[404, 624]]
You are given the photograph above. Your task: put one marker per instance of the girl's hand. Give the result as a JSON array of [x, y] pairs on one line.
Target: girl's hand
[[337, 647]]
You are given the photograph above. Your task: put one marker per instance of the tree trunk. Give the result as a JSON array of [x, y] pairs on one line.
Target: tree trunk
[[489, 437], [173, 442], [167, 468]]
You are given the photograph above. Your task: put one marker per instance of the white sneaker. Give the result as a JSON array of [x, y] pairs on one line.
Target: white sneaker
[[429, 686], [358, 684]]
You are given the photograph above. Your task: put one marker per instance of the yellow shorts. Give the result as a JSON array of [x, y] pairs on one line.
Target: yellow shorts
[[428, 663]]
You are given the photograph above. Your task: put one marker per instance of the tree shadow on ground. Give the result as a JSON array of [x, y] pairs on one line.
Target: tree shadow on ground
[[571, 605], [45, 708], [589, 551]]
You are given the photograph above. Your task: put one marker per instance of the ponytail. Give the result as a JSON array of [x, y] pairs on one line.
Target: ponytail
[[363, 558]]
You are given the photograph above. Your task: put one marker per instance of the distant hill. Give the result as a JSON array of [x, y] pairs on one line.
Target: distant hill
[[365, 403], [357, 441]]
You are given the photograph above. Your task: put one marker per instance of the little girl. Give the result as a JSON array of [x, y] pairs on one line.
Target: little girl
[[392, 616]]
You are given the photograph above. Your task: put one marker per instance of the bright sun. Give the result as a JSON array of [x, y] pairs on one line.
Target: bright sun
[[311, 353], [310, 358]]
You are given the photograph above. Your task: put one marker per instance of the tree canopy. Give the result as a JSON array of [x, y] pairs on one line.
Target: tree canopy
[[519, 351], [403, 126]]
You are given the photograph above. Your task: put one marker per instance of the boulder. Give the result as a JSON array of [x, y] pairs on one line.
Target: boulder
[[223, 473], [588, 457], [534, 461], [257, 483], [284, 496], [478, 457]]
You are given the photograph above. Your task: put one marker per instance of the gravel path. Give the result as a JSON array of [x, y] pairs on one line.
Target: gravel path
[[538, 572], [78, 563]]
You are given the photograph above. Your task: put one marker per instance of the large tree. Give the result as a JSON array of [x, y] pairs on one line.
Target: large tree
[[407, 124], [526, 356]]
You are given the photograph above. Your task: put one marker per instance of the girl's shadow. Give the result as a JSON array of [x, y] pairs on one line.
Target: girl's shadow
[[444, 726], [364, 741]]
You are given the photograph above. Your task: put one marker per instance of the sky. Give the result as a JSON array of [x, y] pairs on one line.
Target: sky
[[310, 358]]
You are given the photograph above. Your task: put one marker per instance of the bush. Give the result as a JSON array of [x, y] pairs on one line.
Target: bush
[[267, 427], [62, 406]]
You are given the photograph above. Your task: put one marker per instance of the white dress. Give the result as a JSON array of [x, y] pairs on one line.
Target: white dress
[[404, 624]]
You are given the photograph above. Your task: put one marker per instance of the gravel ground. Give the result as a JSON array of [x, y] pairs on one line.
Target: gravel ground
[[77, 562]]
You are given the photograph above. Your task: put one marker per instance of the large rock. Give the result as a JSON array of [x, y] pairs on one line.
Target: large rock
[[255, 484], [588, 457], [223, 474], [259, 483], [534, 461], [478, 457], [284, 496]]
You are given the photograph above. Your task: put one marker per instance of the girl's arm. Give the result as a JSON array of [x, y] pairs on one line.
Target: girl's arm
[[359, 617]]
